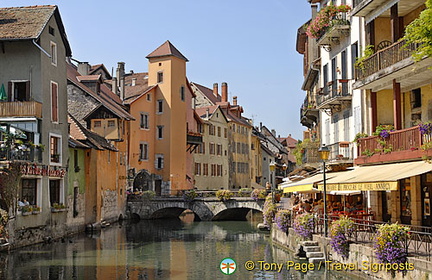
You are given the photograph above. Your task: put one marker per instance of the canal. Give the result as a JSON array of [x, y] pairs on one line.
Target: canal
[[156, 249]]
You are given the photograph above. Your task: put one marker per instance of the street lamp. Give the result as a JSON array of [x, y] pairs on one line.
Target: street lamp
[[284, 167], [324, 155], [272, 169]]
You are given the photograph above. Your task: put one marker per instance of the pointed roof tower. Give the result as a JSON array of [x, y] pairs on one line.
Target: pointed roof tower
[[167, 49]]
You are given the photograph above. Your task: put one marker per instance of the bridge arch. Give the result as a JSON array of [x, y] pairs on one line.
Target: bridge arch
[[204, 209]]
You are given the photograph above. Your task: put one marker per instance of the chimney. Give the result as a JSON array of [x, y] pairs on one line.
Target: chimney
[[215, 89], [114, 85], [120, 71], [83, 68], [314, 10], [224, 92], [122, 88], [273, 131], [260, 127], [235, 100], [134, 81]]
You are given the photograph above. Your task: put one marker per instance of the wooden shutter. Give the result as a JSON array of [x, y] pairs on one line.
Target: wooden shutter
[[27, 92], [10, 93], [54, 102]]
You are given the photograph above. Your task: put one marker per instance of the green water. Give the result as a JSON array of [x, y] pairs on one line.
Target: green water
[[160, 249]]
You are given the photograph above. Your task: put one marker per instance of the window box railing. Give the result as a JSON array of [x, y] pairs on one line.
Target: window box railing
[[385, 58]]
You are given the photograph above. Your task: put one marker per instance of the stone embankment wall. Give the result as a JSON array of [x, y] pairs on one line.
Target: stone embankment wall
[[361, 261]]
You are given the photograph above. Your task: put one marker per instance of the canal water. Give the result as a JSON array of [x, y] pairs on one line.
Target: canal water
[[158, 249]]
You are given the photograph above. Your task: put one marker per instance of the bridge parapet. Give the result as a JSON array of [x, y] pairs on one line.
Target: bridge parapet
[[206, 209]]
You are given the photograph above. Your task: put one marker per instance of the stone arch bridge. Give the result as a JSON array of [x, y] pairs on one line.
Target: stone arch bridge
[[205, 209]]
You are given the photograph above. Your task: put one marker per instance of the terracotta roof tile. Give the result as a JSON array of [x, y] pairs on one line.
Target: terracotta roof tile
[[202, 111], [88, 78], [167, 49]]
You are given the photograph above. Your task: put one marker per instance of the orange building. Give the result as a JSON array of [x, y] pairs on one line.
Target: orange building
[[161, 103]]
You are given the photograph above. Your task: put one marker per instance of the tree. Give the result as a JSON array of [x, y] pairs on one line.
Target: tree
[[419, 32]]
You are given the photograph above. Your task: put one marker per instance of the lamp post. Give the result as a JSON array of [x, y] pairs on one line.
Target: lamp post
[[324, 155], [272, 169]]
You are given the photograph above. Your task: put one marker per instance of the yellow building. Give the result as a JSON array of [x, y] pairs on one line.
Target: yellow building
[[160, 100], [211, 157]]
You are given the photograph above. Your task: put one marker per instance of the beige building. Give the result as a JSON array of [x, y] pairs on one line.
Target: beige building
[[211, 157]]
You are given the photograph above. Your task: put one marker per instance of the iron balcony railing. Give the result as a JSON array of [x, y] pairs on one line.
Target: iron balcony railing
[[385, 58], [334, 91], [343, 150]]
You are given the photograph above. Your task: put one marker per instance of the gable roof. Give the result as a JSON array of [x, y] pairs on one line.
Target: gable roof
[[89, 138], [167, 49], [27, 23], [94, 68], [208, 93], [103, 99]]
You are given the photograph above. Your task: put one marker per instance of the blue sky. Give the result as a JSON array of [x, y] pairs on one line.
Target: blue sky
[[248, 44]]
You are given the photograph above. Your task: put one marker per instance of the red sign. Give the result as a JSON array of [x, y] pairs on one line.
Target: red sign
[[42, 171]]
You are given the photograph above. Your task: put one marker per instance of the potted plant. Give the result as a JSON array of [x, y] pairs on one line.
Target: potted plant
[[224, 195], [339, 232], [58, 207], [36, 210], [26, 210], [283, 219]]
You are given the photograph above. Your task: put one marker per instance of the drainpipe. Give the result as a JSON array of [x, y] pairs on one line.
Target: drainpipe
[[39, 47]]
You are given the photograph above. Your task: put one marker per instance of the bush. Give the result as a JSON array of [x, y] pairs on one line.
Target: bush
[[304, 225], [390, 243], [258, 194], [339, 232], [283, 219], [269, 211], [224, 194], [189, 195], [244, 192], [148, 194]]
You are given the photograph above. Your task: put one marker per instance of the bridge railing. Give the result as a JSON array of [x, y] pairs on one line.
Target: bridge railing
[[181, 194]]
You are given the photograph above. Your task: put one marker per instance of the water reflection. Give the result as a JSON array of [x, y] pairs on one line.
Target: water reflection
[[158, 249]]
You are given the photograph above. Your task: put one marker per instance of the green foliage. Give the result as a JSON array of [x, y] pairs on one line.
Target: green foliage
[[368, 52], [269, 211], [368, 153], [148, 194], [359, 136], [382, 127], [224, 194], [244, 192], [258, 194], [419, 31], [301, 148], [9, 178]]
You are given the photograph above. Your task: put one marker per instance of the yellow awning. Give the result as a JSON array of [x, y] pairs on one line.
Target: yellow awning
[[377, 177], [307, 184]]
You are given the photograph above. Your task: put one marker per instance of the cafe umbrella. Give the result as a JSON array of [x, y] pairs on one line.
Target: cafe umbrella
[[3, 95]]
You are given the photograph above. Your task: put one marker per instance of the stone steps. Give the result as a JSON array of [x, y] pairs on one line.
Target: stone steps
[[313, 252], [314, 255]]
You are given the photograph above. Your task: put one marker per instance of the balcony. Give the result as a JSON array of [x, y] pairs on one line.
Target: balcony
[[308, 114], [21, 109], [374, 8], [20, 154], [341, 152], [334, 94], [401, 145], [193, 140], [339, 27], [393, 62]]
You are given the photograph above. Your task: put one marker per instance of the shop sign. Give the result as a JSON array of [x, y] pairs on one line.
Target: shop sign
[[42, 171], [373, 186]]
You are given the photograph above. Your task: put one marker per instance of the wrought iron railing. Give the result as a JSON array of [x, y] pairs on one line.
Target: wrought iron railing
[[418, 244], [385, 58], [334, 90]]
